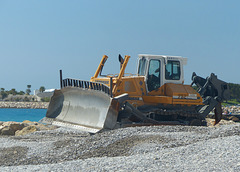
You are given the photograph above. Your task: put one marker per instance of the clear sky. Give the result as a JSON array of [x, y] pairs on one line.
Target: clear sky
[[38, 38]]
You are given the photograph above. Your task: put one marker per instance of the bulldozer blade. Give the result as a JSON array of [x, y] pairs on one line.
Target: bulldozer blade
[[218, 113], [85, 109]]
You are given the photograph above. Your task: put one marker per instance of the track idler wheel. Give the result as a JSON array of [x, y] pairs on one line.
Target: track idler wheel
[[196, 122]]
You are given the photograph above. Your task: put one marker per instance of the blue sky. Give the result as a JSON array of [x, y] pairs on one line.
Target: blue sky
[[37, 38]]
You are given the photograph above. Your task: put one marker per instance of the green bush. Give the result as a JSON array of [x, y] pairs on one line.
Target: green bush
[[45, 99], [26, 99]]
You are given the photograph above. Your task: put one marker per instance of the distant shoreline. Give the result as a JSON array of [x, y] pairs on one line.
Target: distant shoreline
[[24, 105]]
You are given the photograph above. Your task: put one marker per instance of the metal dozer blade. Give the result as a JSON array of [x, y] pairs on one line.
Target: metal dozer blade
[[87, 109]]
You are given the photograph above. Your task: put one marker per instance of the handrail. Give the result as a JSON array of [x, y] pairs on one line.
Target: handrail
[[68, 82]]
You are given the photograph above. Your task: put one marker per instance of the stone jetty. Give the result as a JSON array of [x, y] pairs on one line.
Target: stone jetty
[[24, 105]]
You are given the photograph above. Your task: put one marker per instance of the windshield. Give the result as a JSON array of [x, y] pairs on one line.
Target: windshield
[[142, 66]]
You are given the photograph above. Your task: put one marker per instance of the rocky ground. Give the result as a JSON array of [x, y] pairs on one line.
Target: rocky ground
[[152, 148], [231, 109], [22, 128]]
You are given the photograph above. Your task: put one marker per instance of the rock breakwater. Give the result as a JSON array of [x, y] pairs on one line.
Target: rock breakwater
[[24, 105]]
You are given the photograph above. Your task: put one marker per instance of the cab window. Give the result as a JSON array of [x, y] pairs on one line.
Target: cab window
[[172, 70]]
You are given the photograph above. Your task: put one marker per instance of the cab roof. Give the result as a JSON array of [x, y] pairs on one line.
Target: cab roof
[[166, 57]]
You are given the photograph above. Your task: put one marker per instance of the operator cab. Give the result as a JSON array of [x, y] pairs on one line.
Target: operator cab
[[160, 69]]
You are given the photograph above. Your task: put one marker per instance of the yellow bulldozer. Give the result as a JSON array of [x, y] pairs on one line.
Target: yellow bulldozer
[[156, 95]]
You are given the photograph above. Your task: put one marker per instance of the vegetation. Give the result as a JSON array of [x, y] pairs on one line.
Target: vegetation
[[234, 91], [3, 93], [14, 95], [231, 102], [45, 99], [28, 90], [234, 95], [13, 91], [42, 89]]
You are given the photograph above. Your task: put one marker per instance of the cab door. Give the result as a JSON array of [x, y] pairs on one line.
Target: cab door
[[153, 75]]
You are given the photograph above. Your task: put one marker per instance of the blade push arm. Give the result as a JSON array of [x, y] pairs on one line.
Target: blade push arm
[[121, 73], [100, 67]]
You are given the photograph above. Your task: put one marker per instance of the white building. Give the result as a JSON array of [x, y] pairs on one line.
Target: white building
[[47, 93]]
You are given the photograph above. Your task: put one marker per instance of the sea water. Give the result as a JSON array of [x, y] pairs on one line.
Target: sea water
[[20, 115]]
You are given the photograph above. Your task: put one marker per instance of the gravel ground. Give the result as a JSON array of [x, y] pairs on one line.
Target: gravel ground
[[152, 148]]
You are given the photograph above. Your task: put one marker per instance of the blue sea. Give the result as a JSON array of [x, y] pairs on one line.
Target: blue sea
[[20, 115]]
